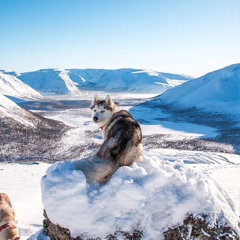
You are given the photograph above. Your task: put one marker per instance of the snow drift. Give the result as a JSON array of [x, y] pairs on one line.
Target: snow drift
[[150, 196], [218, 91]]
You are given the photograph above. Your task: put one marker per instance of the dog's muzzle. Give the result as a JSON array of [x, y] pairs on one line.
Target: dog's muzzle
[[95, 119]]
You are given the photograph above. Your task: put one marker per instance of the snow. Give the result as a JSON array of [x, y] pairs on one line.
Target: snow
[[70, 81], [217, 91], [162, 183], [10, 109], [165, 184], [51, 81], [12, 86], [179, 129], [22, 184], [151, 195], [71, 86]]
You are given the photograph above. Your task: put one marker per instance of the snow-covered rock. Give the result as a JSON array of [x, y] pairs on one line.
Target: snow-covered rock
[[151, 196], [218, 91], [12, 86]]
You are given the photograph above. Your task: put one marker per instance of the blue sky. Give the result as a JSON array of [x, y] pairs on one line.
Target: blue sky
[[177, 36]]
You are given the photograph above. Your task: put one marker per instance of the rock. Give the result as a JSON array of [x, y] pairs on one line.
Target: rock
[[197, 228], [192, 228], [56, 232]]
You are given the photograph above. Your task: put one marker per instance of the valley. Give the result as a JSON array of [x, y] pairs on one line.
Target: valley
[[162, 128], [196, 139]]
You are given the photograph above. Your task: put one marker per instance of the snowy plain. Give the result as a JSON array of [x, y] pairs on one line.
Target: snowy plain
[[203, 176]]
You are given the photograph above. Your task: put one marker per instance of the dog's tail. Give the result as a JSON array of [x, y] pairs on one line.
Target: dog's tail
[[96, 170]]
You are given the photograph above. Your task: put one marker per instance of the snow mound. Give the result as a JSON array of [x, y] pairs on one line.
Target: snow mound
[[151, 195], [218, 91]]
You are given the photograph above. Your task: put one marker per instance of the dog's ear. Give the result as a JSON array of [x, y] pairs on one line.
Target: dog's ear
[[109, 101], [95, 100]]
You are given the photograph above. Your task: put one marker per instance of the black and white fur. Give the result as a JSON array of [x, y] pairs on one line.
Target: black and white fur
[[122, 144]]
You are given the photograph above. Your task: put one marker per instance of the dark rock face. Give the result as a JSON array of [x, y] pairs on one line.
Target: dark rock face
[[56, 232], [198, 229], [190, 229]]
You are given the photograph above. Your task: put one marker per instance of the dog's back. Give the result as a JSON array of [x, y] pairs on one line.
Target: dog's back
[[122, 140], [8, 229]]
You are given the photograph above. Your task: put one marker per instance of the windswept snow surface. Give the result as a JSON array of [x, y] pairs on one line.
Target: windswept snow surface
[[151, 195], [218, 91], [12, 86]]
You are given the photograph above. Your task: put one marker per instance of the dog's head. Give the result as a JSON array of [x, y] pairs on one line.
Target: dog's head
[[4, 199], [102, 110]]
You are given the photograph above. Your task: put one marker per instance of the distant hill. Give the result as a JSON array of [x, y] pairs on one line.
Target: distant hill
[[51, 81], [25, 135], [218, 91], [11, 86], [10, 110], [72, 81]]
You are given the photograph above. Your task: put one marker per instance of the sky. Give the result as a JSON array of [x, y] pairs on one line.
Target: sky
[[191, 37]]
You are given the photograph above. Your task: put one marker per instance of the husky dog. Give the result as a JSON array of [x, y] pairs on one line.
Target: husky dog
[[8, 229], [122, 141]]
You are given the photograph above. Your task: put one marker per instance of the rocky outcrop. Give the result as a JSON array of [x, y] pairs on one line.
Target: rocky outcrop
[[197, 228], [56, 232], [192, 228]]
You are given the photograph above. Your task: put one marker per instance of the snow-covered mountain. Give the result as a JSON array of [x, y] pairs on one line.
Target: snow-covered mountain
[[132, 80], [218, 91], [25, 135], [11, 110], [56, 81], [51, 81], [11, 86]]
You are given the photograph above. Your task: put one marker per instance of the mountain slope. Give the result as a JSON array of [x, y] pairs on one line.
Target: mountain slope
[[132, 80], [50, 81], [25, 135], [218, 91], [9, 109], [55, 81], [12, 86]]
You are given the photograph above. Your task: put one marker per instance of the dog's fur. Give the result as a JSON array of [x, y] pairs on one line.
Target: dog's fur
[[122, 141], [7, 216]]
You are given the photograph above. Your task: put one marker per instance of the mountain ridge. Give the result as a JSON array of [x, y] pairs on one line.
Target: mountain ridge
[[217, 91], [10, 85], [128, 79]]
